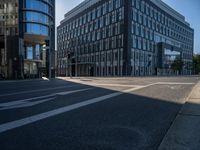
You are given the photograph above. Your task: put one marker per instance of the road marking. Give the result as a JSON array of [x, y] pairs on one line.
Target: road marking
[[45, 78], [29, 103], [124, 85], [38, 90], [117, 85], [75, 91], [175, 83], [18, 102], [25, 121]]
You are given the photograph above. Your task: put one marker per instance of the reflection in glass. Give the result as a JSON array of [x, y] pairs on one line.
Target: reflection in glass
[[36, 17], [170, 57], [29, 53], [37, 5], [36, 29]]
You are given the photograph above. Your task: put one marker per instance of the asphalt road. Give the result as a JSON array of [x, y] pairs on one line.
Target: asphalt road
[[90, 113]]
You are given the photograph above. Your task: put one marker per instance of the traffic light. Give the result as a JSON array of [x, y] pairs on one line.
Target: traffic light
[[47, 43]]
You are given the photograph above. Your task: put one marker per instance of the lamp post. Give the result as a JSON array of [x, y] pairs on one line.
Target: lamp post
[[51, 24]]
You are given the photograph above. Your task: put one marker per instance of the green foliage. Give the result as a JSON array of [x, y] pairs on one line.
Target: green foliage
[[196, 64], [177, 65]]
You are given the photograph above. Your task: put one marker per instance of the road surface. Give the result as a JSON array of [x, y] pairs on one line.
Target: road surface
[[90, 113]]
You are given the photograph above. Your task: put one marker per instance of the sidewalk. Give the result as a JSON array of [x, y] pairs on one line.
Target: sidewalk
[[184, 134]]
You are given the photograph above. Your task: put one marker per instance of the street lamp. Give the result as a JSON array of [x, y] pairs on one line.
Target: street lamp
[[51, 24]]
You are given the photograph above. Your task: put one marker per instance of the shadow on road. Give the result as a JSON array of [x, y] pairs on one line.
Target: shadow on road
[[125, 122]]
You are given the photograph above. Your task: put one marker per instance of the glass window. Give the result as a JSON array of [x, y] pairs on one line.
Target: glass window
[[89, 16], [36, 29], [110, 5], [117, 3], [134, 42], [142, 6], [93, 14], [37, 52], [101, 22], [29, 52], [139, 43], [37, 5], [134, 15], [104, 8], [99, 12], [137, 29], [120, 14], [36, 17], [138, 4]]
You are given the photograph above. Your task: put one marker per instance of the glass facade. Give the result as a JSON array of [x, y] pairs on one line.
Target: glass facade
[[37, 5], [25, 28], [95, 40], [169, 57], [37, 16], [38, 27], [9, 30], [151, 26], [118, 37]]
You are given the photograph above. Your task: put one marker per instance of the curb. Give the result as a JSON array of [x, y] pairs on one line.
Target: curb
[[26, 80], [184, 134]]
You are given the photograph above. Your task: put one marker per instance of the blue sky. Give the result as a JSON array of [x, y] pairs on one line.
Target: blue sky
[[63, 6], [189, 8]]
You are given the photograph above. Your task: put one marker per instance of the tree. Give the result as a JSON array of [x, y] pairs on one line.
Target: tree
[[177, 65], [196, 64]]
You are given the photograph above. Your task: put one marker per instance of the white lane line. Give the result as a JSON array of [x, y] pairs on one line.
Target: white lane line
[[176, 83], [114, 85], [134, 85], [25, 121], [18, 102], [75, 91], [29, 103], [12, 103], [38, 90]]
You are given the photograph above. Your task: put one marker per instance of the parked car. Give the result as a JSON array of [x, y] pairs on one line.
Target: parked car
[[2, 77]]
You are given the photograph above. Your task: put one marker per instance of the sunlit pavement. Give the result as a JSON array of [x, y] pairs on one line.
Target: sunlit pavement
[[90, 113], [184, 132]]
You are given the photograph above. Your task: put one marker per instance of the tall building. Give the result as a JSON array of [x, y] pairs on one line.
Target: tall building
[[27, 32], [123, 38]]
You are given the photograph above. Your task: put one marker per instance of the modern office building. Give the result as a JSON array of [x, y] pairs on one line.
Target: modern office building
[[123, 38], [27, 32]]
